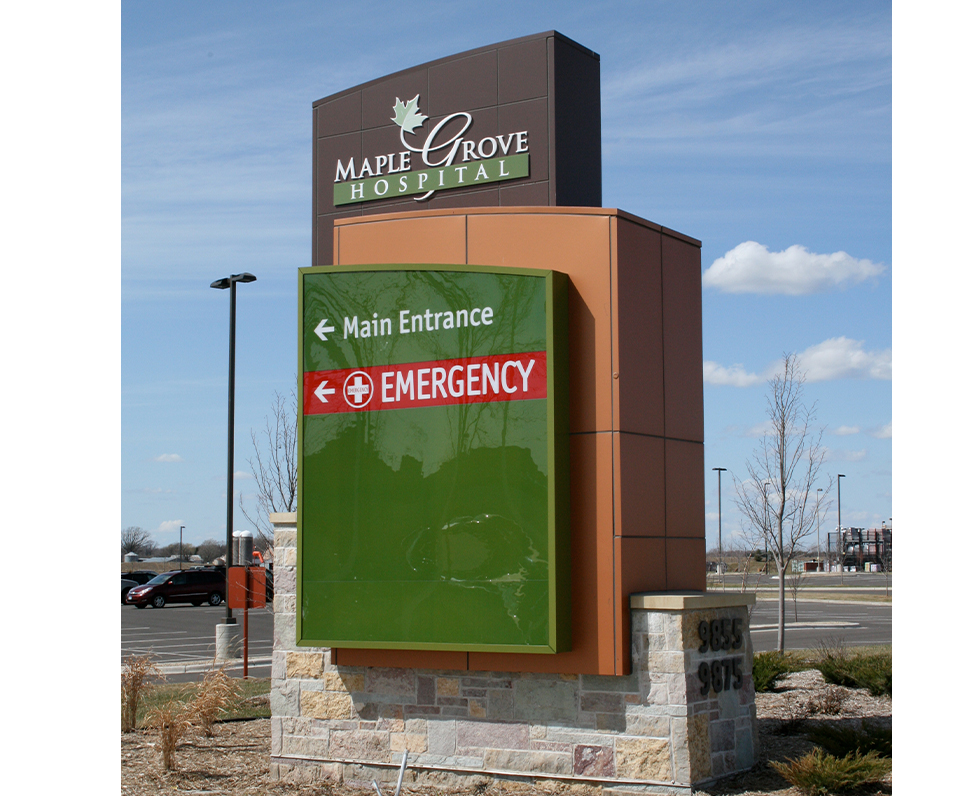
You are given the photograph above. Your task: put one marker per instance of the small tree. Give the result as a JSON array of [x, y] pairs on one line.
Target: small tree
[[135, 540], [782, 471], [275, 468]]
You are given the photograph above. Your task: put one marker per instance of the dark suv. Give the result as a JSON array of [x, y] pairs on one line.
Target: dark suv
[[196, 586]]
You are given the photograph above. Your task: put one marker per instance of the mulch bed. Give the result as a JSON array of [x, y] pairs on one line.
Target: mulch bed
[[236, 759]]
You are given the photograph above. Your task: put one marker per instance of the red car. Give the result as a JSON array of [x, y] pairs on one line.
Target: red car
[[196, 586]]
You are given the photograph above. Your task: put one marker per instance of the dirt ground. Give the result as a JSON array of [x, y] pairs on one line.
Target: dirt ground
[[236, 759]]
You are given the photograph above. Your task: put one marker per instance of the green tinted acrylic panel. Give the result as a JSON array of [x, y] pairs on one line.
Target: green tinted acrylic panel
[[433, 474]]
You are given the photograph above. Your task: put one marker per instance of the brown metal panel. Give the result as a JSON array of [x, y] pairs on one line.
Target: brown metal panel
[[578, 246], [402, 659], [639, 388], [524, 193], [464, 84], [684, 489], [522, 71], [531, 117], [686, 564], [340, 115], [458, 199], [577, 102], [328, 151], [681, 307], [519, 79], [641, 567], [436, 239], [641, 494], [378, 98]]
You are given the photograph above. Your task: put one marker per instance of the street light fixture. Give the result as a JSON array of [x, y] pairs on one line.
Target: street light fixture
[[840, 530], [720, 553], [222, 284]]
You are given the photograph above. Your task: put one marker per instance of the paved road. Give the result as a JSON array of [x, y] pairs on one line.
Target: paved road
[[181, 638], [853, 624]]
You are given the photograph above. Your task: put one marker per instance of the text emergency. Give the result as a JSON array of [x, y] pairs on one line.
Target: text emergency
[[502, 377]]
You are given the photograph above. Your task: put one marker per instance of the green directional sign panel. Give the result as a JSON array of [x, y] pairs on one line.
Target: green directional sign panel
[[433, 458]]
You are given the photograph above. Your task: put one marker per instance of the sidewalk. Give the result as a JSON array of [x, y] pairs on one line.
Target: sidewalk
[[191, 667]]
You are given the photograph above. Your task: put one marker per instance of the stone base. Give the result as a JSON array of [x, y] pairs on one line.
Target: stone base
[[649, 732]]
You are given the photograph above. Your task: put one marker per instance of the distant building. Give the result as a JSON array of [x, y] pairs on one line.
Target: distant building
[[861, 547]]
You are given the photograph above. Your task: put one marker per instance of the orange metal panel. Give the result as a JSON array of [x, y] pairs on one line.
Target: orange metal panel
[[405, 659], [434, 239], [578, 245]]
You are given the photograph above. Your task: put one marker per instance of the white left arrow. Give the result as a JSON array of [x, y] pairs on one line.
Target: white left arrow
[[322, 391], [321, 329]]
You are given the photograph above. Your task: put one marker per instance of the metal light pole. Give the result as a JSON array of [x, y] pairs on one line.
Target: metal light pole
[[181, 545], [817, 511], [720, 553], [223, 284], [840, 530]]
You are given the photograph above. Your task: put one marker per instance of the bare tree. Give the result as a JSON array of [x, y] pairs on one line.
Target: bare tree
[[274, 466], [211, 549], [135, 540], [782, 472], [795, 582]]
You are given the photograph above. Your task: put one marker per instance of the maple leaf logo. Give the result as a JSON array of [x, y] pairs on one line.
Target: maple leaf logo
[[407, 114]]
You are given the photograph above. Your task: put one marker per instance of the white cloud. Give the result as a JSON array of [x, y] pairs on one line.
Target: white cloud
[[169, 525], [760, 430], [168, 457], [836, 358], [847, 456], [883, 432], [735, 376], [846, 431], [843, 358], [751, 268]]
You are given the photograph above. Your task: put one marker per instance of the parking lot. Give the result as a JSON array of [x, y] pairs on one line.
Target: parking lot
[[182, 638]]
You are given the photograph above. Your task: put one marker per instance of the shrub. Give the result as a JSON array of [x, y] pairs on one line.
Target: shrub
[[134, 680], [863, 670], [819, 774], [217, 694], [173, 719], [842, 741], [794, 713], [829, 702], [769, 667]]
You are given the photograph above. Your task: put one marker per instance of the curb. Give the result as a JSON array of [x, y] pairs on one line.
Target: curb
[[191, 667]]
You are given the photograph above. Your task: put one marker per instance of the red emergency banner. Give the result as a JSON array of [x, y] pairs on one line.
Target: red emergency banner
[[469, 380]]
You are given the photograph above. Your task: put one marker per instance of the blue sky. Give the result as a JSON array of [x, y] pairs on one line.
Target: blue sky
[[763, 130], [732, 122]]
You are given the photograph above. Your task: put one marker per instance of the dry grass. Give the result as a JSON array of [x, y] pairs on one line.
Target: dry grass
[[173, 720], [216, 695], [135, 679]]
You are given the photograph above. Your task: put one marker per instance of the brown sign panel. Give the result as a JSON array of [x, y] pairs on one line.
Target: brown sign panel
[[247, 587], [513, 124]]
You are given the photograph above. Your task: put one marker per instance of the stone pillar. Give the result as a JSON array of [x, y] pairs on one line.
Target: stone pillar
[[652, 731]]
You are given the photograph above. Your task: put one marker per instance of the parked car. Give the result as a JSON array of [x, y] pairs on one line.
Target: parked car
[[196, 586], [125, 585], [141, 576]]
